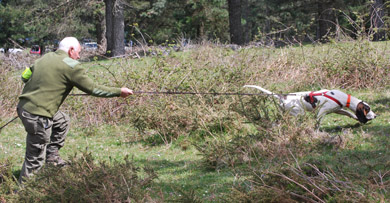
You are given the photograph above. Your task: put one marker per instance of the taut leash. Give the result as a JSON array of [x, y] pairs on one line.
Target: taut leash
[[196, 93], [8, 123], [176, 93]]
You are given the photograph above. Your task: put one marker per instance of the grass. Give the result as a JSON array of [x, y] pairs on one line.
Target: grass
[[177, 169], [203, 148]]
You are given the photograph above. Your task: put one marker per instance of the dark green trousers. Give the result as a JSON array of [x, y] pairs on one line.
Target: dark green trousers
[[45, 136]]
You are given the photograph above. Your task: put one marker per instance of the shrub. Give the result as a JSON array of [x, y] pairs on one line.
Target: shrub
[[87, 181], [8, 184], [307, 182]]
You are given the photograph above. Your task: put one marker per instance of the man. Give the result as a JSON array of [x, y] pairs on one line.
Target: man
[[48, 83]]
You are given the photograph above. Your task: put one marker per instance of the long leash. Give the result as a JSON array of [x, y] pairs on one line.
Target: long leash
[[176, 93], [8, 123], [196, 93]]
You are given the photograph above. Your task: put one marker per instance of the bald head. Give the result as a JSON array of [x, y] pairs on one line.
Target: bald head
[[71, 46], [67, 43]]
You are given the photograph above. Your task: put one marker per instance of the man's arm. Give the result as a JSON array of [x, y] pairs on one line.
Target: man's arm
[[84, 83]]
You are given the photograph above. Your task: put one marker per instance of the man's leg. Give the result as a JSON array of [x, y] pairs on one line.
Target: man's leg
[[61, 124], [38, 130]]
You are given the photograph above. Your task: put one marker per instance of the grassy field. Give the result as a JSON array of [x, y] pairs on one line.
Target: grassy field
[[208, 148], [177, 169]]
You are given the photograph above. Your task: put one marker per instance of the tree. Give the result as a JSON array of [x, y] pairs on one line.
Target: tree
[[11, 25], [376, 20], [326, 19], [99, 19], [235, 25], [115, 33], [245, 20]]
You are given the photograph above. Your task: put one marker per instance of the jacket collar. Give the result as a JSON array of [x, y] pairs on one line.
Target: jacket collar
[[61, 52]]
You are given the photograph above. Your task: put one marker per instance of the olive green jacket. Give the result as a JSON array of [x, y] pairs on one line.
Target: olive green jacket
[[52, 78]]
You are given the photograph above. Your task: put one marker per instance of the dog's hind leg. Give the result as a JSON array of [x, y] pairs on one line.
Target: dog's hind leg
[[318, 123], [324, 110]]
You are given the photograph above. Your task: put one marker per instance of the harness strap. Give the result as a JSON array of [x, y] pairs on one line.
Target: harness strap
[[348, 101], [312, 95]]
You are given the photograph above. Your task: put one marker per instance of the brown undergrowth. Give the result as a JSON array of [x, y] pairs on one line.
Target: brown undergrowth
[[86, 180]]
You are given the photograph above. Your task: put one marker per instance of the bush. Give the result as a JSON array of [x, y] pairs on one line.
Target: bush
[[274, 133], [8, 183], [87, 181], [307, 182]]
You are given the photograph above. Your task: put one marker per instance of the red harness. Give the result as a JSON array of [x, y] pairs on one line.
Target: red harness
[[312, 95]]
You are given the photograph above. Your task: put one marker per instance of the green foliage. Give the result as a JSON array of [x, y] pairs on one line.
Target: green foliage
[[156, 21], [87, 181], [7, 180], [177, 19], [11, 24], [42, 22]]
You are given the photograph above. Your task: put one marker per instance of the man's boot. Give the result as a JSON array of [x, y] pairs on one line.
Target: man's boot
[[55, 159]]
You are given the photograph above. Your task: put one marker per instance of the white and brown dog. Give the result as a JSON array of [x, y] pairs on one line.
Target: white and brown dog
[[329, 101]]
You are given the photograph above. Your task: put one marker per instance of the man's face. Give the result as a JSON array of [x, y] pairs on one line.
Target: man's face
[[74, 52]]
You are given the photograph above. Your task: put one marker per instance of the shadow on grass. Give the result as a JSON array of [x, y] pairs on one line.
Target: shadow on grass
[[357, 164], [340, 128], [373, 126], [186, 176], [370, 152]]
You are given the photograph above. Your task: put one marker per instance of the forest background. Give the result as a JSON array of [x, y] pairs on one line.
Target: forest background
[[163, 22]]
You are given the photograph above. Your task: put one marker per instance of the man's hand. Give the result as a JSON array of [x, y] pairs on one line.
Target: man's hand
[[126, 92]]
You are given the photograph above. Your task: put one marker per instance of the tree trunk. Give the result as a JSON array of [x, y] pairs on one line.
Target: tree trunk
[[377, 24], [246, 25], [115, 32], [109, 8], [326, 20], [236, 29], [100, 27]]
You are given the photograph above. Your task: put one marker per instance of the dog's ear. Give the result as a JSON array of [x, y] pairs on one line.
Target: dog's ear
[[361, 112]]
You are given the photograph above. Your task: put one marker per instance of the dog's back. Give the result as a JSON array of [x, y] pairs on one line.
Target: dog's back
[[328, 101], [292, 102]]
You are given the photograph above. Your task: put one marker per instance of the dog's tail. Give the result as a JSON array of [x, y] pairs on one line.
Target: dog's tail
[[263, 90]]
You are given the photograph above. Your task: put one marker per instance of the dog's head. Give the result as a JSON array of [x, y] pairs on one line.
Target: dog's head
[[364, 113]]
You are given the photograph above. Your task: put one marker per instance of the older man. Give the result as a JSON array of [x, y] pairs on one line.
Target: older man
[[48, 83]]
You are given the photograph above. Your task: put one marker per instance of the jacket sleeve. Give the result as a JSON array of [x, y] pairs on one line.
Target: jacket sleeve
[[80, 79]]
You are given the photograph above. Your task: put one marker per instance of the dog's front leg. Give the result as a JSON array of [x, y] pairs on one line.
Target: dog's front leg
[[346, 113]]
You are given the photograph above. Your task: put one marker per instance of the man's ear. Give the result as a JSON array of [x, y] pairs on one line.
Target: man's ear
[[70, 50]]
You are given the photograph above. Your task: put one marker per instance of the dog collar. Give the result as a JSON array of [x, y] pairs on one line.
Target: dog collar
[[348, 101]]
